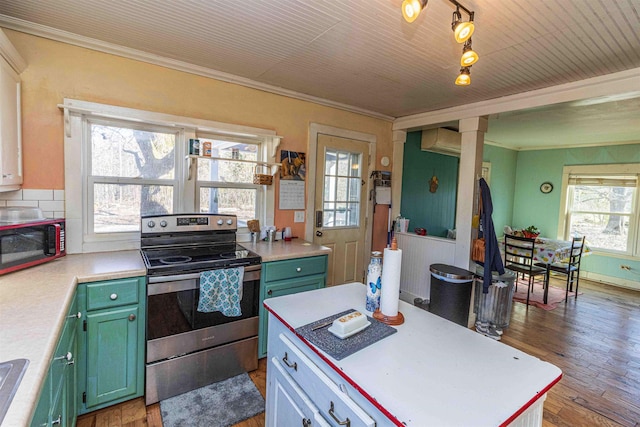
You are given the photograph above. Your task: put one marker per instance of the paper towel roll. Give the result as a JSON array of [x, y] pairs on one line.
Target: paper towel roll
[[391, 264]]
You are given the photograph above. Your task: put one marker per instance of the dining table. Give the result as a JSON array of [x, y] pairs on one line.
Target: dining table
[[552, 251]]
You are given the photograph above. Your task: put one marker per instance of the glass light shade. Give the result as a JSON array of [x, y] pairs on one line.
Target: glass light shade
[[469, 57], [463, 31], [464, 79], [411, 9]]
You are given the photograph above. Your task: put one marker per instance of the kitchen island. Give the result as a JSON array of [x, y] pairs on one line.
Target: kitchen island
[[432, 372]]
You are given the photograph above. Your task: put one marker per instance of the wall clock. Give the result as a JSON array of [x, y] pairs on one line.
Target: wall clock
[[546, 187]]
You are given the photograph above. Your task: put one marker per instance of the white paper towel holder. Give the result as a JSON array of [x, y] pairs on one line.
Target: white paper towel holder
[[398, 319]]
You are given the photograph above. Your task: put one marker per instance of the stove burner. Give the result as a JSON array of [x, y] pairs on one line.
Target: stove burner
[[178, 259]]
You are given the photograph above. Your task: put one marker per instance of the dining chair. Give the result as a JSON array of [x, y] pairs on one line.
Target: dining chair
[[571, 268], [518, 257]]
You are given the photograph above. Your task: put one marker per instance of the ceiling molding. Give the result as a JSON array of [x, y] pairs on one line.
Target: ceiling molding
[[138, 55], [11, 55], [610, 84], [562, 146]]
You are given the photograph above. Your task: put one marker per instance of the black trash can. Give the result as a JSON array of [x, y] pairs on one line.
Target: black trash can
[[450, 294]]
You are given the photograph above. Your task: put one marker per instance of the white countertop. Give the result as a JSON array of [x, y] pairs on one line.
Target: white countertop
[[33, 303], [280, 250], [433, 371]]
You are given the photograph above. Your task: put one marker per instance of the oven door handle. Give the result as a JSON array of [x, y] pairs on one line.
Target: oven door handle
[[176, 277]]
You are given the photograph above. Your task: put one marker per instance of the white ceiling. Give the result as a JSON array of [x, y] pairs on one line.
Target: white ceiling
[[361, 55]]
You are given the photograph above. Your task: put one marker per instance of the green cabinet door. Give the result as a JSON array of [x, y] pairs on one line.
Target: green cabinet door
[[113, 355], [288, 277]]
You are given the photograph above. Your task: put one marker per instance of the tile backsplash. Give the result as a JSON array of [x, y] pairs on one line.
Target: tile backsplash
[[51, 202]]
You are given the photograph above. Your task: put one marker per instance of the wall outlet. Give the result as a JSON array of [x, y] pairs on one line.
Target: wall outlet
[[625, 267], [298, 216]]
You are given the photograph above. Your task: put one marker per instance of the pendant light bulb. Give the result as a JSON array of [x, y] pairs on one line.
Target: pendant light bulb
[[469, 56], [464, 79], [412, 8]]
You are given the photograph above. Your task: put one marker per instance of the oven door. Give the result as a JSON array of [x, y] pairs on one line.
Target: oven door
[[174, 325]]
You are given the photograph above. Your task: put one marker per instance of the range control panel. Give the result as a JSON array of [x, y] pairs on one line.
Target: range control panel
[[180, 223]]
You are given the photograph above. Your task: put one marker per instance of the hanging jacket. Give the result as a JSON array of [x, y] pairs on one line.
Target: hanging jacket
[[492, 258]]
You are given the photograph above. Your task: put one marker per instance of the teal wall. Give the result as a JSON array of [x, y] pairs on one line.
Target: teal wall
[[531, 207], [434, 211], [502, 184], [515, 191]]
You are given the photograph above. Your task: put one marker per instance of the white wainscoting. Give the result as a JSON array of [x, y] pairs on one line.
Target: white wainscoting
[[418, 253]]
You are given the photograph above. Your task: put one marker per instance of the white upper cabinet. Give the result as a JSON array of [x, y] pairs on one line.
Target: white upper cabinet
[[10, 120]]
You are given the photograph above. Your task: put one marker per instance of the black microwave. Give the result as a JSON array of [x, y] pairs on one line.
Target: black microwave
[[31, 243]]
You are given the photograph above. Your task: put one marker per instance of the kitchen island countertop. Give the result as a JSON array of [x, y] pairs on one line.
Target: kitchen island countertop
[[432, 371], [281, 250], [33, 304]]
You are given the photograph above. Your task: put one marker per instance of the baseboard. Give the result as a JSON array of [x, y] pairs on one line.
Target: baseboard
[[610, 280]]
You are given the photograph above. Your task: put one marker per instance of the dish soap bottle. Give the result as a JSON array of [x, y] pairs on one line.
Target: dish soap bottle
[[374, 271]]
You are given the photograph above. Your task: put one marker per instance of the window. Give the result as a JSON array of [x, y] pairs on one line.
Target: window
[[123, 163], [341, 193], [225, 182], [602, 204], [132, 172]]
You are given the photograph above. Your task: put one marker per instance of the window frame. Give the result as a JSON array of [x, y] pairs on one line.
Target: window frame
[[609, 170], [78, 117]]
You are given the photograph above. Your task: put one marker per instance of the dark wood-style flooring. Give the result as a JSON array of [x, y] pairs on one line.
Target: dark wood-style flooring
[[595, 340]]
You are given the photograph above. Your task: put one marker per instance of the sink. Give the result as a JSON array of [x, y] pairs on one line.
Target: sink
[[10, 376]]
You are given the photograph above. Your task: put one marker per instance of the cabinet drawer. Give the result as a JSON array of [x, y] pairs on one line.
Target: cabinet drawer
[[332, 403], [113, 293], [294, 268]]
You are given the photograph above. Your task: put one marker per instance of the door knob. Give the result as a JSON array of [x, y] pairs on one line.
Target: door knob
[[319, 233]]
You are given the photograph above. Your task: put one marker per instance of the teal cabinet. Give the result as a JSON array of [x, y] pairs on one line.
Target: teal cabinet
[[57, 405], [288, 277], [111, 342]]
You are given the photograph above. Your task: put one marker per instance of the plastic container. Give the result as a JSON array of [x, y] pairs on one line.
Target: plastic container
[[450, 295]]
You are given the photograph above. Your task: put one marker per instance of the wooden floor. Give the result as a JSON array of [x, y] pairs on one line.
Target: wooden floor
[[595, 340]]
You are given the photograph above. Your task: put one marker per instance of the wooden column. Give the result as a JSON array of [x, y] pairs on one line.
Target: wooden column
[[472, 130]]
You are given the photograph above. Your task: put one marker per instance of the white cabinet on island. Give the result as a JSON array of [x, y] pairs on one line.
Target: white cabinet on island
[[432, 372]]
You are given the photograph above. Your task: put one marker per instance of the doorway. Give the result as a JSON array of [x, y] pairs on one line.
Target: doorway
[[338, 206]]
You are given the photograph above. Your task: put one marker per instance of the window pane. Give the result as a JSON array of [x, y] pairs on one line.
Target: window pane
[[355, 164], [342, 183], [226, 171], [602, 230], [131, 153], [344, 167], [118, 207], [232, 201], [602, 199]]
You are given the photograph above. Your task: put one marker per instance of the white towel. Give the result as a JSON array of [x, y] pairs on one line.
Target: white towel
[[221, 290]]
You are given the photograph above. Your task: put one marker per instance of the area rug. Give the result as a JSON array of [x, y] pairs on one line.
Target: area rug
[[221, 404], [556, 295]]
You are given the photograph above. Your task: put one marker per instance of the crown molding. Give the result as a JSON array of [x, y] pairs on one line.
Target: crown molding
[[562, 146], [609, 84], [10, 54], [150, 58]]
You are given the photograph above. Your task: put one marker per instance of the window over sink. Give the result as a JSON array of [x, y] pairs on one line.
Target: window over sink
[[122, 163]]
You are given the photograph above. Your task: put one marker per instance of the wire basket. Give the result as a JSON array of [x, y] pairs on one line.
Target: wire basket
[[262, 178]]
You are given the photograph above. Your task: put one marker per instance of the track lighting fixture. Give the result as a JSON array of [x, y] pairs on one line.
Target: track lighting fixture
[[462, 31], [464, 78], [469, 56], [412, 8]]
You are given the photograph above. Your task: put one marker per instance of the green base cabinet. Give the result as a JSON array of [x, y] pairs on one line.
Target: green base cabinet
[[288, 277], [112, 342], [57, 405]]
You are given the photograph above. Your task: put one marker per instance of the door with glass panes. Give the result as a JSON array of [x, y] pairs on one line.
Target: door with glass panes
[[340, 203]]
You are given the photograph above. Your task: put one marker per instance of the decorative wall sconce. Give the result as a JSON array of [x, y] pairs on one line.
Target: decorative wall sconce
[[462, 31]]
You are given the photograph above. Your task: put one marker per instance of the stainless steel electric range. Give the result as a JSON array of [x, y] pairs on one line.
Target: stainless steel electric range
[[186, 348]]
